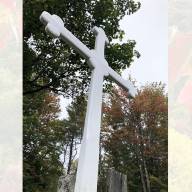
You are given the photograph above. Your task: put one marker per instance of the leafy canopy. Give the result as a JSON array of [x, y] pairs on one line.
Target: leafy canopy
[[53, 65], [134, 137]]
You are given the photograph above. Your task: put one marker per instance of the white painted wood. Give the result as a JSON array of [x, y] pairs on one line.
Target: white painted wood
[[55, 27], [87, 173]]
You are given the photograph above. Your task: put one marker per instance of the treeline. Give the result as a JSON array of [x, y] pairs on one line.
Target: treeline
[[133, 139]]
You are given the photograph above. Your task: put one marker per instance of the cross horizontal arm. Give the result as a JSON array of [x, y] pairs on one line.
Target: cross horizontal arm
[[69, 38], [126, 84], [55, 26]]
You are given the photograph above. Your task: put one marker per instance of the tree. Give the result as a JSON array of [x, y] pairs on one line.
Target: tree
[[73, 126], [134, 137], [50, 145], [41, 152], [52, 65]]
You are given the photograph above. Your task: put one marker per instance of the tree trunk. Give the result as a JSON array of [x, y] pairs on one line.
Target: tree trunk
[[142, 178], [144, 169], [139, 158], [64, 153], [70, 156], [147, 177]]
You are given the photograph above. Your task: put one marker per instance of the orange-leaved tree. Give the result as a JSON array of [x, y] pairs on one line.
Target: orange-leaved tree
[[134, 137]]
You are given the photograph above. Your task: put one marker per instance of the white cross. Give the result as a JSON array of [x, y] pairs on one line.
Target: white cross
[[87, 172]]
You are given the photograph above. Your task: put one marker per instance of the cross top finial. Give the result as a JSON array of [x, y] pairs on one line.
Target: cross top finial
[[99, 31], [101, 40]]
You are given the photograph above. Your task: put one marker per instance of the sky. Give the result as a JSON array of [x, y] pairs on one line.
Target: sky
[[149, 28]]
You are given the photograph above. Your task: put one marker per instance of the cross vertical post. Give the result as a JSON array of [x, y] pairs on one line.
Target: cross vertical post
[[86, 179], [87, 172]]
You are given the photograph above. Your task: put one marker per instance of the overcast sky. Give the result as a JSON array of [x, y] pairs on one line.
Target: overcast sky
[[148, 27]]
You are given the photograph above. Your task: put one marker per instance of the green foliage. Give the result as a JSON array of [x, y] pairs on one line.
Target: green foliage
[[158, 184], [51, 64], [73, 126], [41, 165], [49, 144]]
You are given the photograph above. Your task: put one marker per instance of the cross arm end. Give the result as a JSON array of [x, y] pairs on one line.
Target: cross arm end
[[126, 84]]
